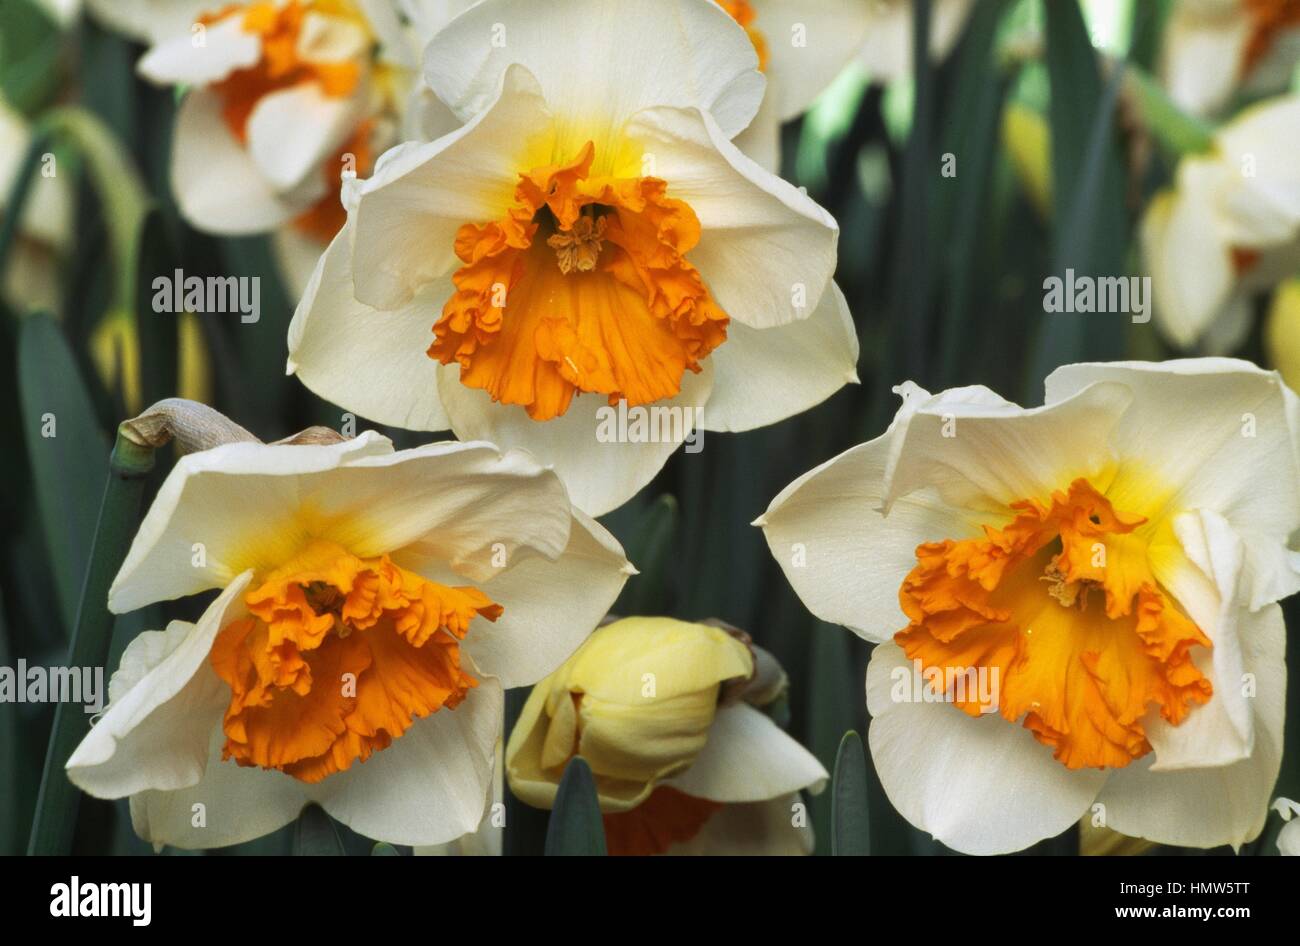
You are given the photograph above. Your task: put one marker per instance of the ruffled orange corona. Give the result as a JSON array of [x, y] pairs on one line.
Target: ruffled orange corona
[[338, 657], [1061, 608], [583, 286]]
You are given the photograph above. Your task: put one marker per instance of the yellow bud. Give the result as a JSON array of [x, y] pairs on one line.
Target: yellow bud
[[635, 701]]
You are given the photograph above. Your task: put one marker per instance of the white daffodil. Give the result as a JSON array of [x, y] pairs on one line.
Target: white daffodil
[[286, 99], [802, 45], [683, 763], [1213, 48], [591, 230], [1074, 604], [1288, 840], [1227, 229], [373, 605], [151, 21], [31, 280], [888, 50]]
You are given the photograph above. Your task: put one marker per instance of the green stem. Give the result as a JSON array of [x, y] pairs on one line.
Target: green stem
[[11, 211], [122, 195], [56, 805]]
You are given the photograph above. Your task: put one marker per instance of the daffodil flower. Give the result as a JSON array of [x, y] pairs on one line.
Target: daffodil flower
[[591, 230], [1214, 48], [1227, 229], [31, 279], [684, 764], [1073, 605], [802, 45], [888, 50], [286, 99], [372, 606]]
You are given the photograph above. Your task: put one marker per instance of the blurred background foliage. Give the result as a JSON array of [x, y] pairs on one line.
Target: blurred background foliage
[[943, 274]]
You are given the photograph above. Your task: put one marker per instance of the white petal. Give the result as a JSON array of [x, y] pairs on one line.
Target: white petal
[[1288, 839], [254, 506], [222, 511], [216, 183], [419, 195], [238, 804], [980, 785], [981, 452], [327, 39], [808, 44], [291, 133], [432, 784], [888, 50], [600, 476], [179, 60], [1213, 806], [754, 829], [599, 61], [550, 606], [1208, 433], [1205, 580], [1184, 250], [488, 838], [749, 758], [761, 376], [766, 250], [842, 557], [452, 503], [167, 698], [372, 362], [1201, 59], [761, 141]]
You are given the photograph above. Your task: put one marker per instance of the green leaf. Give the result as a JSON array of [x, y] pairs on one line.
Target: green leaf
[[1090, 225], [649, 547], [576, 828], [835, 704], [29, 55], [157, 332], [1177, 131], [850, 820], [314, 835], [119, 515], [973, 120], [60, 431], [10, 791]]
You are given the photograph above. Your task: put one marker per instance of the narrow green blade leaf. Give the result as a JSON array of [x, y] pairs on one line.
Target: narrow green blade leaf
[[576, 829], [1090, 226], [850, 823], [158, 331], [835, 704], [649, 548], [315, 835], [60, 431], [119, 514]]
